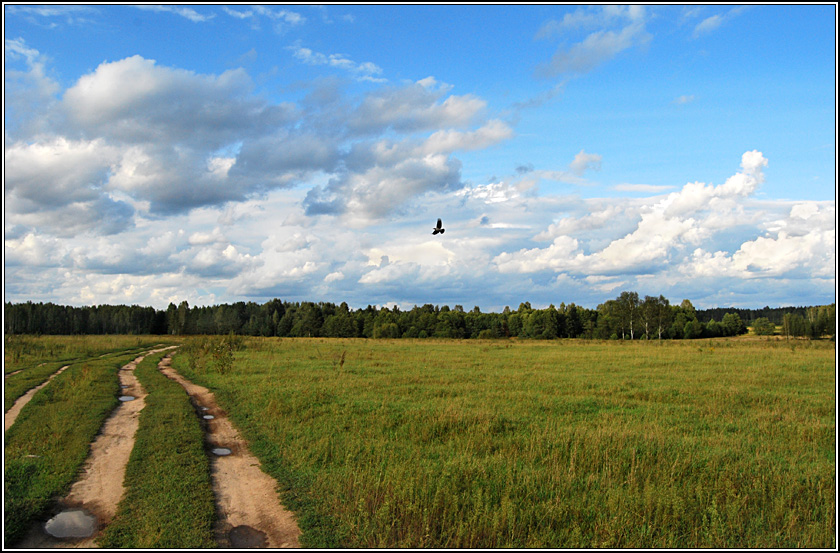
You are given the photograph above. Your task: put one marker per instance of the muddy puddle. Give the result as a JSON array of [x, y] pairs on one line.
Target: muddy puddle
[[245, 537], [72, 524], [250, 514]]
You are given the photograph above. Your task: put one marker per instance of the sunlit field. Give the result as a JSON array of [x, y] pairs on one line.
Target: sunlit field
[[494, 444]]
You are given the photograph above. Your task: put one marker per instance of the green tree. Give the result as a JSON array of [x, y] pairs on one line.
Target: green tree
[[763, 327], [693, 329], [627, 305], [733, 325]]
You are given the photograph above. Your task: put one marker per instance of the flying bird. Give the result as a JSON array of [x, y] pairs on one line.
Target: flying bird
[[438, 229]]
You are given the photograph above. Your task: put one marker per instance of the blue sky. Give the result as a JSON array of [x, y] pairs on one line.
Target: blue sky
[[214, 153]]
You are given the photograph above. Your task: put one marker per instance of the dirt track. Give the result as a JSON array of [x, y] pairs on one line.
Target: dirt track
[[100, 488], [249, 510]]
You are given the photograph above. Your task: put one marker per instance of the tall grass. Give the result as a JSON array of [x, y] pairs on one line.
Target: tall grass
[[51, 438], [37, 357], [22, 351], [542, 444], [169, 500]]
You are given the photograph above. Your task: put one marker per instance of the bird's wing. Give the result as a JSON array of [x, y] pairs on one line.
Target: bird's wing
[[439, 223]]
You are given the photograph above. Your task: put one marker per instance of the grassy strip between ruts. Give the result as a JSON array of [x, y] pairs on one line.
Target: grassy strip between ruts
[[18, 384], [446, 444], [169, 499], [50, 440]]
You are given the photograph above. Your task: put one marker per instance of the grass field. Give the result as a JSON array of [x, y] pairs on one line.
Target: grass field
[[723, 443], [24, 352], [480, 444], [35, 358]]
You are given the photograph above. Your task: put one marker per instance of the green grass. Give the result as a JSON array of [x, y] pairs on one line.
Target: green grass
[[37, 357], [50, 440], [169, 499], [25, 351], [501, 444]]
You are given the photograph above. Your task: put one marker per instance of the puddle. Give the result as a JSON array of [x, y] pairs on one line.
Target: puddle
[[74, 523], [245, 537], [209, 417], [205, 408], [127, 398], [221, 451]]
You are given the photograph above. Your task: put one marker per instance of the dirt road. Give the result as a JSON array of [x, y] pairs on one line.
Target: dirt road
[[250, 513], [100, 488]]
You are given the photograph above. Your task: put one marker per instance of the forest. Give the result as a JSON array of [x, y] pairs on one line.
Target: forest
[[627, 317]]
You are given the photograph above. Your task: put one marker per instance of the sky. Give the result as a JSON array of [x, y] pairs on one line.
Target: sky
[[220, 153]]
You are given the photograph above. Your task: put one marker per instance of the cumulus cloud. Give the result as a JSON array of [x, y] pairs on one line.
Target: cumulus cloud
[[32, 250], [673, 230], [414, 108], [384, 174], [175, 140]]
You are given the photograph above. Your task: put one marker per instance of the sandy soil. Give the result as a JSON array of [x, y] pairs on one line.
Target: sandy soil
[[246, 498], [12, 414], [100, 488]]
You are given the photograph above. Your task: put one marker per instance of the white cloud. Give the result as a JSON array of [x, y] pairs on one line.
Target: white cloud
[[599, 46], [645, 188], [584, 161], [682, 222], [27, 91], [187, 13], [414, 108], [365, 71], [708, 25], [32, 250], [714, 22]]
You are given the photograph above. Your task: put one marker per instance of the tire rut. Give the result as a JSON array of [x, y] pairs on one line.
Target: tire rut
[[12, 414]]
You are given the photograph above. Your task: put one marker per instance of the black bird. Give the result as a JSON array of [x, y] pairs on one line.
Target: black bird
[[438, 229]]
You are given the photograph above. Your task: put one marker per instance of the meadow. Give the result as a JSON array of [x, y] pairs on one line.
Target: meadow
[[499, 444], [29, 360], [474, 443]]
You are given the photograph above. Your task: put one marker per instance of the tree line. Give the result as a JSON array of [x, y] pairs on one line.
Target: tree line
[[627, 317]]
